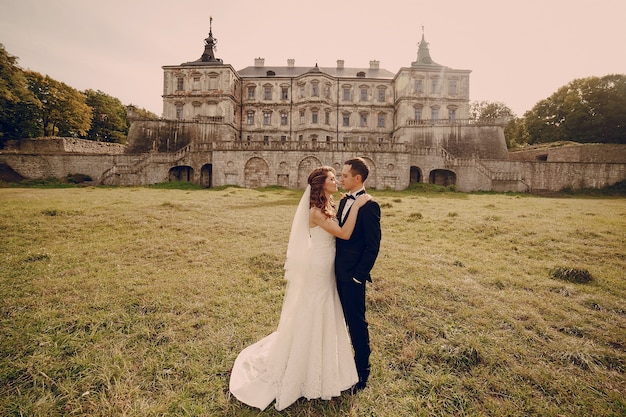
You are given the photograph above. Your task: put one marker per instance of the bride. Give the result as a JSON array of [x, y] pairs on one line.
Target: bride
[[310, 354]]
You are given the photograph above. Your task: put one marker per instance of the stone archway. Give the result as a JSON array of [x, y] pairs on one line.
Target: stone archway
[[442, 177], [305, 167], [206, 175], [180, 173], [256, 173], [415, 175]]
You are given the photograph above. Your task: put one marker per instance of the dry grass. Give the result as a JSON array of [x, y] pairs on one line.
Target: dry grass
[[135, 302]]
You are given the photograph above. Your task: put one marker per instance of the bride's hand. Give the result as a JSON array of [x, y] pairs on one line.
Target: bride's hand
[[361, 200]]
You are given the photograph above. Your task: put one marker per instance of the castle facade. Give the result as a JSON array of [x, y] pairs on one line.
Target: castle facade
[[271, 125]]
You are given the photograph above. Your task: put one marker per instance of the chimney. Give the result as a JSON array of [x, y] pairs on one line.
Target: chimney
[[374, 65], [340, 64], [291, 62], [259, 62]]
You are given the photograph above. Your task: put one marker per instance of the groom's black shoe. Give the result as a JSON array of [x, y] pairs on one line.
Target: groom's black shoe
[[359, 386]]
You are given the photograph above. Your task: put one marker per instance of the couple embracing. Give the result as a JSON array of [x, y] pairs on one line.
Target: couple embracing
[[321, 346]]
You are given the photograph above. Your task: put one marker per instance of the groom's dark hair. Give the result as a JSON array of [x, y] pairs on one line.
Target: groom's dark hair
[[358, 167]]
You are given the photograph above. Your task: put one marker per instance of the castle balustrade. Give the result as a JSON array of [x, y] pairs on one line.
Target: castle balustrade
[[455, 122], [355, 147]]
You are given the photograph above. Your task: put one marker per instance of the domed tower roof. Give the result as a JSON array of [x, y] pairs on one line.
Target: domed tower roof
[[208, 56], [423, 53]]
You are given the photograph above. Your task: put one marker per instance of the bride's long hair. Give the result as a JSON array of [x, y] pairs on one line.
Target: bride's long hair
[[316, 180]]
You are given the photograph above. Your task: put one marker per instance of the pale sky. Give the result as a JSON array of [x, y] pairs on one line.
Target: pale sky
[[519, 52]]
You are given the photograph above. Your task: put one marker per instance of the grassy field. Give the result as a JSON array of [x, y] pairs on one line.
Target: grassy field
[[136, 301]]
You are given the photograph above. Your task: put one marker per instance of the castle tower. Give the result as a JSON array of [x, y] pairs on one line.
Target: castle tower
[[205, 89]]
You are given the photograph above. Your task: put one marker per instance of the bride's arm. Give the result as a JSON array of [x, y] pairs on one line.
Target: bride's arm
[[318, 218]]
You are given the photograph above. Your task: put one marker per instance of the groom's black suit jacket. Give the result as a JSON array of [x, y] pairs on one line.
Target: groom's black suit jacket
[[356, 256]]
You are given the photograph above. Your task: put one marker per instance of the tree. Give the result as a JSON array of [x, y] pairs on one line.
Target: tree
[[515, 132], [585, 110], [109, 118], [17, 102], [486, 110], [63, 111]]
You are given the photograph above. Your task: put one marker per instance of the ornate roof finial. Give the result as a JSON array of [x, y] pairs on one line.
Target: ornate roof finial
[[423, 54], [209, 45]]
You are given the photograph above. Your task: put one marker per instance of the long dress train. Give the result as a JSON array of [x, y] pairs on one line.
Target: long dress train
[[310, 354]]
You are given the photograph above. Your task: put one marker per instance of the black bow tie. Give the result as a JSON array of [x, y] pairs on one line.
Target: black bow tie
[[351, 197]]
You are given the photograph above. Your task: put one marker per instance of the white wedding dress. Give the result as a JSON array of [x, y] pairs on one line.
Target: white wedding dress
[[310, 354]]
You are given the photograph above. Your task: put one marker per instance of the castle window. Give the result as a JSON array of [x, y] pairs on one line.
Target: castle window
[[250, 118], [452, 88], [180, 86], [266, 140], [346, 119], [346, 94], [436, 86], [419, 88], [418, 114], [315, 89], [251, 91], [435, 114], [213, 81], [283, 138], [381, 119], [179, 111], [363, 120], [284, 93], [381, 95], [327, 117], [267, 117], [267, 93], [196, 83], [283, 119], [451, 114], [314, 117], [363, 94], [301, 116]]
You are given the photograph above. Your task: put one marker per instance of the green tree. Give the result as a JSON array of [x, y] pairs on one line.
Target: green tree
[[515, 132], [585, 110], [17, 103], [487, 110], [63, 111], [109, 122]]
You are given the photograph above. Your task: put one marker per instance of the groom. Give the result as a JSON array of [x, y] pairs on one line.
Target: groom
[[354, 260]]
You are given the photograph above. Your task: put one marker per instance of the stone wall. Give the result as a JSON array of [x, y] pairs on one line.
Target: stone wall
[[172, 135], [60, 165], [542, 176], [574, 152], [65, 145], [288, 165]]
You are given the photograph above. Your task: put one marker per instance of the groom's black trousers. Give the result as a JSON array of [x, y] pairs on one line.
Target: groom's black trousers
[[352, 296]]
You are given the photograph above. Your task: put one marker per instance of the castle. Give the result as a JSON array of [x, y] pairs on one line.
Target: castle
[[271, 125]]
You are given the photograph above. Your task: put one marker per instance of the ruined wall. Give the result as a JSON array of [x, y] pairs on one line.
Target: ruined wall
[[573, 152], [59, 144], [60, 165], [172, 135], [555, 176], [482, 142]]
